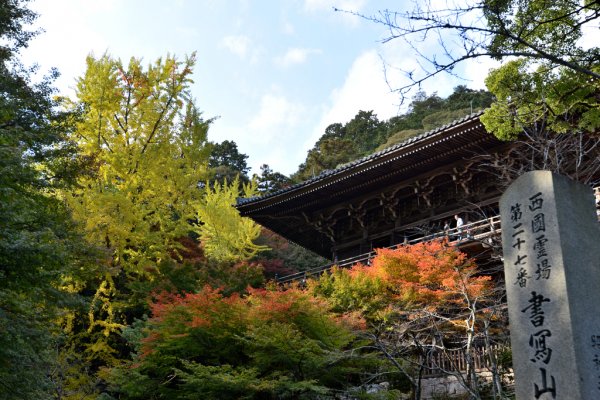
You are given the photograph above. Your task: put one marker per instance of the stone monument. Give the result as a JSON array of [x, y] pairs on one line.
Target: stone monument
[[551, 243]]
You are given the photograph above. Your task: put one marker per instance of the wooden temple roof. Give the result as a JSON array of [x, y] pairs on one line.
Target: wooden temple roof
[[290, 212]]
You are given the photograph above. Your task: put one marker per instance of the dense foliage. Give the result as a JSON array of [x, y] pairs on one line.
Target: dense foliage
[[421, 300], [225, 236], [268, 344], [425, 275], [144, 198], [38, 244], [147, 146], [530, 99], [227, 163], [270, 181]]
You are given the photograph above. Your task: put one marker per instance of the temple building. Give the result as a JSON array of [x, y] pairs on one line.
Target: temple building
[[412, 191]]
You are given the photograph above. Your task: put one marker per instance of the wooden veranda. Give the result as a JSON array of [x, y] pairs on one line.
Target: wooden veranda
[[485, 232]]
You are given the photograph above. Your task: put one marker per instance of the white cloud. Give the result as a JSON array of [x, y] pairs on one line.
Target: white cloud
[[275, 112], [288, 28], [269, 132], [187, 31], [477, 70], [243, 47], [68, 38], [237, 44], [364, 89], [295, 56]]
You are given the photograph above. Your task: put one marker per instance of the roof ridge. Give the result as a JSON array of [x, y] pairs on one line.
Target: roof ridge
[[358, 161]]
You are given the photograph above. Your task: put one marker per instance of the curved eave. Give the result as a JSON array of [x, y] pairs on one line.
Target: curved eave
[[409, 158]]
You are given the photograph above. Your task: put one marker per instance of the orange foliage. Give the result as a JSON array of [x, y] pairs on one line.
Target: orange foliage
[[429, 272], [360, 270], [353, 320], [282, 305], [175, 317], [168, 303]]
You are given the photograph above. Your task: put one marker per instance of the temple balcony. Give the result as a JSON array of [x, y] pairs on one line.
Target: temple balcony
[[479, 238]]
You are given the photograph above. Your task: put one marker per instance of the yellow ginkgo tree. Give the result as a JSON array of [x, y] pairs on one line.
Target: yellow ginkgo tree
[[147, 154], [146, 143], [225, 235]]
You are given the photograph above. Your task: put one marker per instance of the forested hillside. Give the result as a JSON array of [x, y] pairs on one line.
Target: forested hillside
[[365, 133]]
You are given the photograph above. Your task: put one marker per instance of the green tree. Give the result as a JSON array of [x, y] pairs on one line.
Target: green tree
[[146, 146], [464, 98], [546, 92], [38, 246], [560, 99], [270, 181], [342, 143], [552, 115], [227, 163], [400, 137], [334, 131], [365, 131], [428, 112], [326, 154], [554, 81]]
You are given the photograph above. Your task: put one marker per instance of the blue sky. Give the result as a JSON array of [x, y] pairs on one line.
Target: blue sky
[[276, 73]]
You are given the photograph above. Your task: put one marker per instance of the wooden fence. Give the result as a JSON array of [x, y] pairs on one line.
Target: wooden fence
[[443, 361]]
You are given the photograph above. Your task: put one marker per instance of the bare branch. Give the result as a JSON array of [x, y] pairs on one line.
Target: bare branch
[[471, 25]]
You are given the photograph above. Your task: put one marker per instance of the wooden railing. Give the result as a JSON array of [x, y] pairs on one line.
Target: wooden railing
[[476, 231], [443, 361], [482, 231]]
